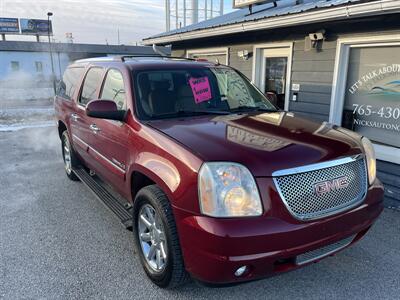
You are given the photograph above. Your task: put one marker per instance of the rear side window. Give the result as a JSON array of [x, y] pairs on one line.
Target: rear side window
[[69, 82], [114, 88], [90, 85]]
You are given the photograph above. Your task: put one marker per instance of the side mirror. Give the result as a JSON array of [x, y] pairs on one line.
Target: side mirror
[[105, 109]]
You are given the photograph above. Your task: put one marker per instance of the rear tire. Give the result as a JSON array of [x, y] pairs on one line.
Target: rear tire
[[69, 157], [156, 238]]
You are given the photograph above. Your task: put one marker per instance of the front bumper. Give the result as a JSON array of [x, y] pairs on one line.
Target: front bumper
[[214, 249]]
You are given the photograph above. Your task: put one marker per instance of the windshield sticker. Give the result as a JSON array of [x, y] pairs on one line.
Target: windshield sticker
[[201, 89]]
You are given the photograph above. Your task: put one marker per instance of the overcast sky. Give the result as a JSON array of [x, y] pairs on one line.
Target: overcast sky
[[96, 21]]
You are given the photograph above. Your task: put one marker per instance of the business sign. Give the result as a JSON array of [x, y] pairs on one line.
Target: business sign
[[243, 3], [35, 26], [372, 96], [9, 25]]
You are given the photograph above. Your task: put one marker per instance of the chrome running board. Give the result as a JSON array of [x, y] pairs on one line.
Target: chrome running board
[[120, 208]]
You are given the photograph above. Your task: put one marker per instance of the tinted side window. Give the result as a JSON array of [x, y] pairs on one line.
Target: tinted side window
[[68, 84], [92, 81], [114, 88]]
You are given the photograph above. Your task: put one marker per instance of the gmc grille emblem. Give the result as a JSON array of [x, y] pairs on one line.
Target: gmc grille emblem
[[323, 187]]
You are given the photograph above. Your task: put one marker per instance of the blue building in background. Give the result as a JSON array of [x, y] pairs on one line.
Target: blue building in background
[[25, 67]]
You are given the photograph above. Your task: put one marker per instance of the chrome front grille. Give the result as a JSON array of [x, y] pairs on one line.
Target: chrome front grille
[[297, 187], [323, 251]]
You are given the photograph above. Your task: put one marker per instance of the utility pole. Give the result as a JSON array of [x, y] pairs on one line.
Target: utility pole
[[167, 15], [184, 13], [176, 14], [221, 7], [53, 76], [205, 10], [195, 11], [118, 36]]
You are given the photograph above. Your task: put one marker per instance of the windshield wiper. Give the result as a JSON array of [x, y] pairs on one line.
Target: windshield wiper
[[182, 113], [252, 108]]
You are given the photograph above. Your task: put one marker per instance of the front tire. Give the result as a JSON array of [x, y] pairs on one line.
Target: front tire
[[70, 160], [156, 238]]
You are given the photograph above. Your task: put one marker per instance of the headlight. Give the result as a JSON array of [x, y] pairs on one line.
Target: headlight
[[228, 190], [370, 157]]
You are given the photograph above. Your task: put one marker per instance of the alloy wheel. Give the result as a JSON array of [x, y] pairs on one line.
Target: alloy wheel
[[152, 238], [67, 155]]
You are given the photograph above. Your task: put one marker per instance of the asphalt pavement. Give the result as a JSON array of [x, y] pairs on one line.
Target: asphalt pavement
[[58, 242]]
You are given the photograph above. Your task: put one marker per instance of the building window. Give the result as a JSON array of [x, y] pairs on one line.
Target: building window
[[15, 66], [366, 91], [371, 104], [39, 66], [212, 54]]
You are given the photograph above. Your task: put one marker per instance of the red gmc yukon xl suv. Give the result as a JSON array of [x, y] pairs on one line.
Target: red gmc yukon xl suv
[[220, 185]]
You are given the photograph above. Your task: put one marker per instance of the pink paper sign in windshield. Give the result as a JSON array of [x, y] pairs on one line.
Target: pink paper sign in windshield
[[201, 89]]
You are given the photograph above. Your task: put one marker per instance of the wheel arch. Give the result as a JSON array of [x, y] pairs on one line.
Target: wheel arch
[[138, 181], [155, 172], [61, 128]]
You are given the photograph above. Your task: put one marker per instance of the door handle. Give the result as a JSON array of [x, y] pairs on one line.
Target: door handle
[[94, 128], [74, 117]]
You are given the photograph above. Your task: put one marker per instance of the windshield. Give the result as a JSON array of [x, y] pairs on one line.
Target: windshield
[[173, 93]]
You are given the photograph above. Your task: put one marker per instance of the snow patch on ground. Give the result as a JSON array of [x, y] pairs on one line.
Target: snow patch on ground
[[26, 111], [17, 118], [16, 127]]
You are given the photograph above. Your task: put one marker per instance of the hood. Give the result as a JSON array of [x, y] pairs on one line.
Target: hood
[[263, 142]]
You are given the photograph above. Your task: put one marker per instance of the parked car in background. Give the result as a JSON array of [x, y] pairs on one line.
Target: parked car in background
[[222, 186]]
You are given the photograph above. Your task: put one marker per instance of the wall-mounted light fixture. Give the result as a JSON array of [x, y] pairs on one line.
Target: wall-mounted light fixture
[[317, 37], [244, 54]]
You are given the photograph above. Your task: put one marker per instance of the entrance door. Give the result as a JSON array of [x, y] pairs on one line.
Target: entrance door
[[274, 75]]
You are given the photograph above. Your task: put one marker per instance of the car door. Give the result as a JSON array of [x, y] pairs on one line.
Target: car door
[[80, 122], [111, 138]]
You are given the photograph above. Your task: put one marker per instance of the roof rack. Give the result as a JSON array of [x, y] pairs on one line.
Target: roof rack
[[124, 57], [94, 59]]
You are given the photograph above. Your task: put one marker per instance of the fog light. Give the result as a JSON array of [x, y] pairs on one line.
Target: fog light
[[240, 271]]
